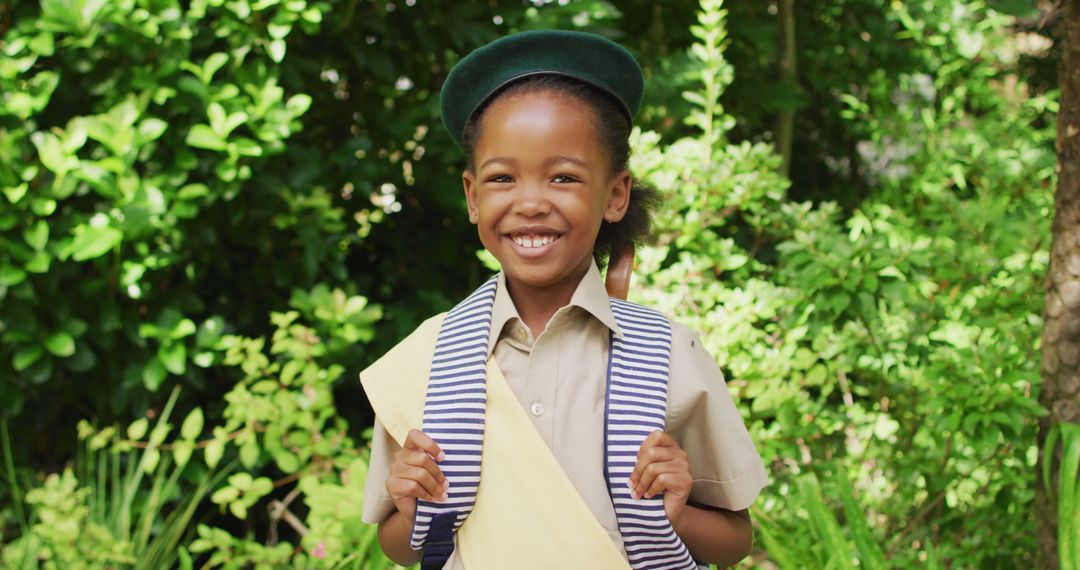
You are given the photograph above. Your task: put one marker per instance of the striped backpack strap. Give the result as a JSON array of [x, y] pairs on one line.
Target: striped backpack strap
[[454, 418], [636, 405]]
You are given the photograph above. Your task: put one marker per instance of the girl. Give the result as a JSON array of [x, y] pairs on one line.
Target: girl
[[540, 423]]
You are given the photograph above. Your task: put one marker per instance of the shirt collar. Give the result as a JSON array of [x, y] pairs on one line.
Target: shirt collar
[[590, 295]]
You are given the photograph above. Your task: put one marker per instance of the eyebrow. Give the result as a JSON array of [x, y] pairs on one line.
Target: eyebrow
[[558, 158]]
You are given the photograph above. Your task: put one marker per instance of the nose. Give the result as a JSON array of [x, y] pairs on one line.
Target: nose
[[532, 201]]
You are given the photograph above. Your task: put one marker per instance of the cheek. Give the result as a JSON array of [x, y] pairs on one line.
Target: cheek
[[487, 215]]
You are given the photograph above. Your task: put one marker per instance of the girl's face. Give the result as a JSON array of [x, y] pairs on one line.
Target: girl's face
[[540, 188]]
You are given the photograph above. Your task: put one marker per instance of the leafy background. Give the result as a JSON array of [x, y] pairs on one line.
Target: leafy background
[[214, 213]]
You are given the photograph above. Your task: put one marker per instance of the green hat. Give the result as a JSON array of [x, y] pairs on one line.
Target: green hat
[[587, 57]]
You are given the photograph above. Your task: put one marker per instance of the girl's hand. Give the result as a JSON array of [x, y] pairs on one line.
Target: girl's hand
[[662, 467], [414, 474]]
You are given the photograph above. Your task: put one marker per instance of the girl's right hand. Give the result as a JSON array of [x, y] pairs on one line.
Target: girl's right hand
[[415, 475]]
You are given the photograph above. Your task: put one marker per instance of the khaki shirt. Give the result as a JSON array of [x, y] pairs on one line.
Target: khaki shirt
[[560, 378]]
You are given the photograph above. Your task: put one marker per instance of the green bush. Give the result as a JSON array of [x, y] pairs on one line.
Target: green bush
[[251, 199], [889, 336]]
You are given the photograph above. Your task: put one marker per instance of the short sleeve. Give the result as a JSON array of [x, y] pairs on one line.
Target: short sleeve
[[727, 470], [377, 503]]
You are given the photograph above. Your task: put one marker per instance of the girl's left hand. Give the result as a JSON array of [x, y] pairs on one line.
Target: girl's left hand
[[662, 467]]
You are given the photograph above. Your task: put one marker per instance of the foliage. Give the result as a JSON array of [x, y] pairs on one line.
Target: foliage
[[279, 420], [825, 545], [251, 199], [1068, 492], [888, 334], [115, 511]]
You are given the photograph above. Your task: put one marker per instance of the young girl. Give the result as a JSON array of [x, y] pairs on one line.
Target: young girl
[[540, 423]]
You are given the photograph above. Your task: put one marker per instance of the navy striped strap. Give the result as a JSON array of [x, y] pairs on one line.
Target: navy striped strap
[[635, 406], [454, 418]]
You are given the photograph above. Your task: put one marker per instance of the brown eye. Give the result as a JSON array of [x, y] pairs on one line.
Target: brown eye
[[500, 179], [564, 179]]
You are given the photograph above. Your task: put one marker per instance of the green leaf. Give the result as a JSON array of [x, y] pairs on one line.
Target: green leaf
[[60, 344], [202, 136], [734, 261], [212, 64], [870, 282], [231, 122], [26, 356], [38, 263], [870, 554], [150, 459], [138, 428], [185, 560], [247, 147], [77, 327], [804, 358], [298, 104], [264, 387], [193, 191], [290, 370], [215, 113], [260, 487], [52, 153], [241, 481], [173, 356], [11, 276], [276, 50], [91, 242], [151, 128], [16, 193], [278, 31], [203, 359], [43, 206], [225, 495], [312, 15], [37, 235], [488, 260], [892, 271], [182, 452], [193, 424], [287, 461], [238, 510], [153, 374], [213, 451], [816, 375], [184, 328], [249, 454]]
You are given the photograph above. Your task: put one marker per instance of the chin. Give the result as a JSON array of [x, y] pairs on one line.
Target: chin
[[536, 279]]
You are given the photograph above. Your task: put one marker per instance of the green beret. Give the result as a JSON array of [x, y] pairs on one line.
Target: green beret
[[587, 57]]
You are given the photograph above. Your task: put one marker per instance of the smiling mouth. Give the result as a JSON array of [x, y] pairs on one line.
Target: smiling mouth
[[534, 241]]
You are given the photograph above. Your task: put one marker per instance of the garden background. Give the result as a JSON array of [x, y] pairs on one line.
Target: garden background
[[215, 213]]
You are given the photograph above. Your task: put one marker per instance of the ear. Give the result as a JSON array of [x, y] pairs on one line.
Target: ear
[[619, 198], [468, 181]]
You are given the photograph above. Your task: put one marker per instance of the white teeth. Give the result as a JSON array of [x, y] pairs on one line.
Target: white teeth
[[535, 240]]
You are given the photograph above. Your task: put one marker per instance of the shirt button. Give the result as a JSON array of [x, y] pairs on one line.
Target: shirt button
[[520, 334], [537, 409]]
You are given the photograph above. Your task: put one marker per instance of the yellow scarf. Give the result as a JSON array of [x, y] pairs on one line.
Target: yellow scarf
[[528, 514]]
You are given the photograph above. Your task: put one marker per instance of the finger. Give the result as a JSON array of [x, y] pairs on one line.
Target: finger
[[403, 488], [433, 490], [424, 461], [663, 439], [656, 447], [644, 456], [419, 440], [417, 483], [648, 475], [674, 481], [658, 460]]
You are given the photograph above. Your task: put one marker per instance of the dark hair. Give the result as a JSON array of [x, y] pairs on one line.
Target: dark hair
[[613, 130]]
